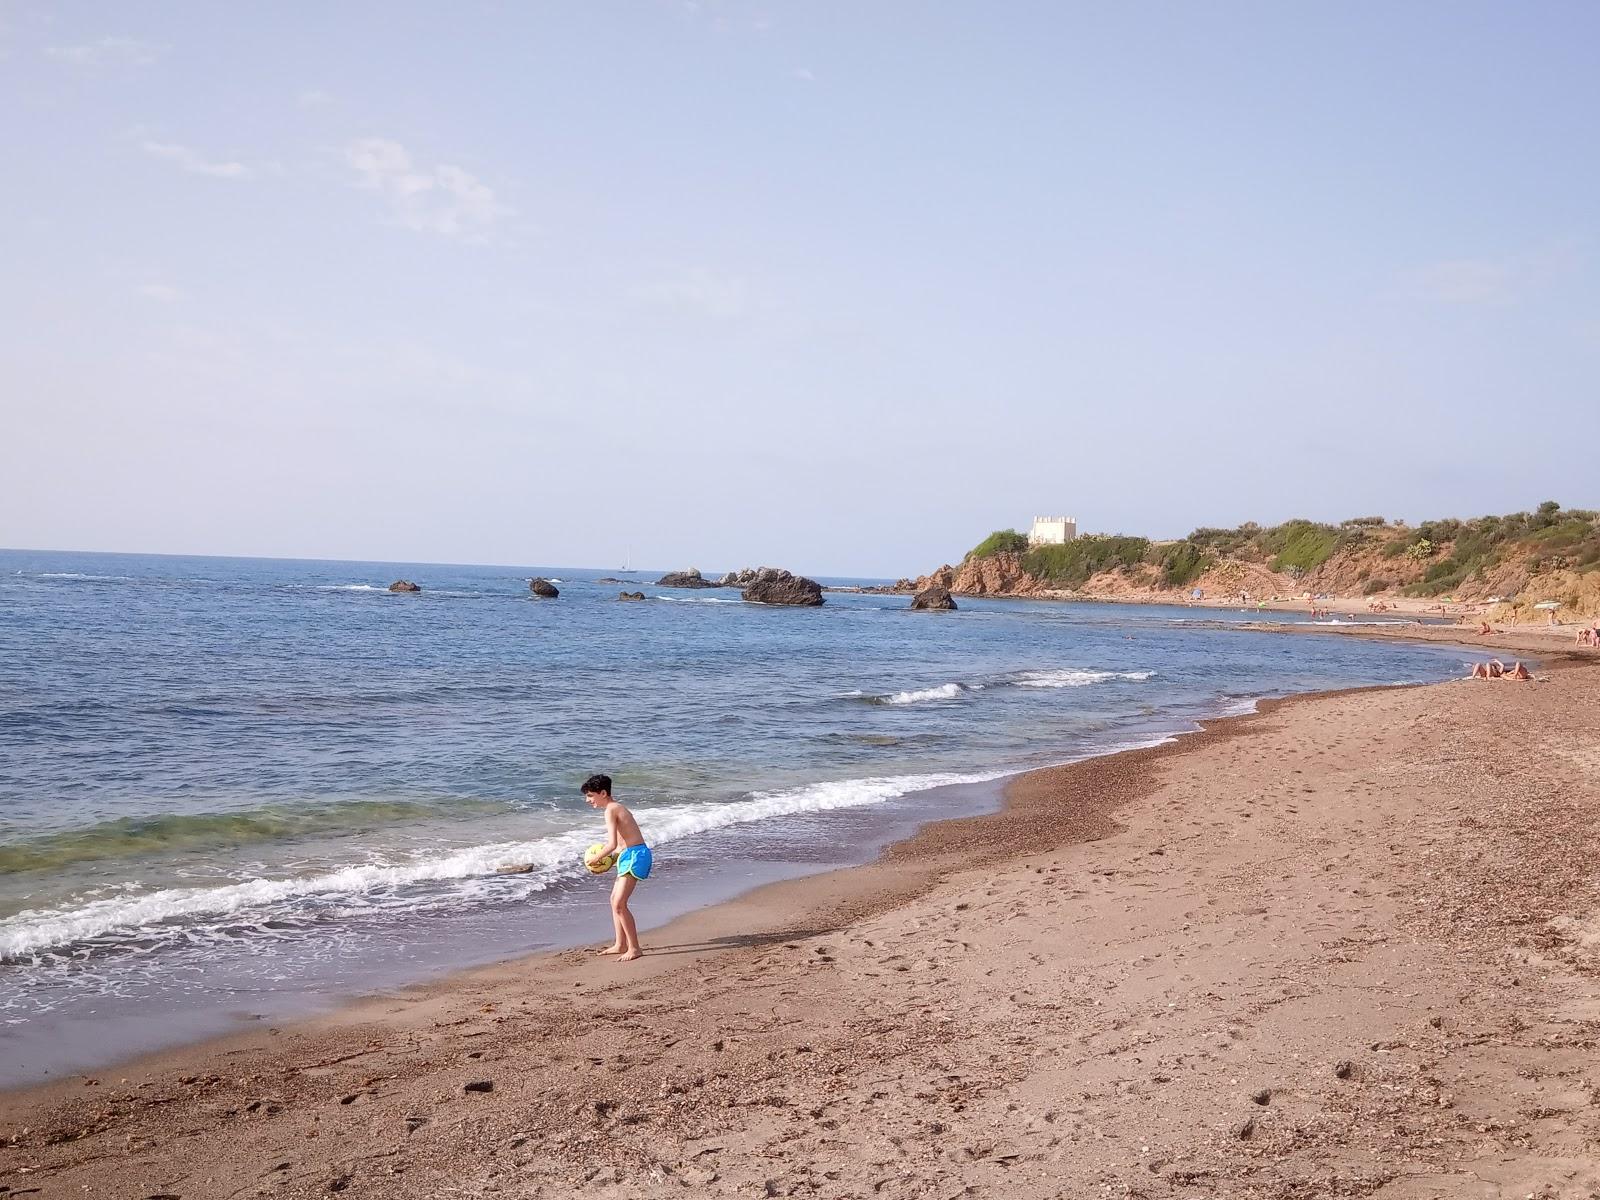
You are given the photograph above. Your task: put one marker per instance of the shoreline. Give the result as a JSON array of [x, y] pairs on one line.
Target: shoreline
[[927, 845], [408, 1053], [704, 884]]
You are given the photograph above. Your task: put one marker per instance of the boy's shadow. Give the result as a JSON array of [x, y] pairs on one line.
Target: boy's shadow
[[735, 941]]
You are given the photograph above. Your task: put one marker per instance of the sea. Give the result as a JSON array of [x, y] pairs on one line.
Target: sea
[[237, 790]]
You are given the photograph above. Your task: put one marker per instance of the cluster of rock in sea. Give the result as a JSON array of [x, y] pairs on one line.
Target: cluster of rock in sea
[[773, 585], [759, 585]]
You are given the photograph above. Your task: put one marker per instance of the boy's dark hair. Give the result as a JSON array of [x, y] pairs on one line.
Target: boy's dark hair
[[596, 783]]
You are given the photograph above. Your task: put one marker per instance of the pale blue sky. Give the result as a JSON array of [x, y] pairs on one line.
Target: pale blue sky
[[838, 286]]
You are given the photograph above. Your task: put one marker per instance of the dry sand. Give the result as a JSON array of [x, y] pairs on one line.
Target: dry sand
[[1349, 946]]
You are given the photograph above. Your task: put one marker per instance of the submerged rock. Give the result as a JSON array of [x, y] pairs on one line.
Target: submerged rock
[[773, 586], [933, 599], [404, 585], [630, 595], [685, 579], [543, 588]]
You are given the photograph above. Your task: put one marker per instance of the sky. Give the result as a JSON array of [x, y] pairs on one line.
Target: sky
[[834, 286]]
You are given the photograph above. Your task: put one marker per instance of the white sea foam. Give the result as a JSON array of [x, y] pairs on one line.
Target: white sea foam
[[1063, 678], [1075, 678], [945, 691], [347, 587], [699, 600], [30, 932], [81, 575]]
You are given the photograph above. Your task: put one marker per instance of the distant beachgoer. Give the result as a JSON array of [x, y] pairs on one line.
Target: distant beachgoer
[[1483, 629], [1518, 672]]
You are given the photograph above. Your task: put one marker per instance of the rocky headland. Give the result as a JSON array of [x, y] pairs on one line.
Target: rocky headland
[[1514, 569]]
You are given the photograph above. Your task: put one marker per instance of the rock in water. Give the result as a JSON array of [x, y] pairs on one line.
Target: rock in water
[[543, 588], [933, 599], [404, 585], [685, 579], [630, 595], [773, 586]]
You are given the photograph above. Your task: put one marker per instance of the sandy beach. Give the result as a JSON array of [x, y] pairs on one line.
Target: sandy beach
[[1347, 946]]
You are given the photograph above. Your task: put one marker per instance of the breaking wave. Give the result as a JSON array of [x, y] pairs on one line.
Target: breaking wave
[[1063, 678], [191, 913]]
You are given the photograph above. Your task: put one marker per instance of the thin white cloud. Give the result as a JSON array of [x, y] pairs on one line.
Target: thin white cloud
[[1493, 280], [443, 199], [107, 50], [697, 288], [195, 163], [165, 293]]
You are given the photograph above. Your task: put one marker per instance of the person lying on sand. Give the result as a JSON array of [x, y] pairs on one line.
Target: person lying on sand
[[1493, 669], [633, 863], [1518, 672]]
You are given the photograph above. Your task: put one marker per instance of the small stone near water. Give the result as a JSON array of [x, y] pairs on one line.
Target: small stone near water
[[478, 1085], [933, 599], [543, 588], [1245, 1128], [514, 869], [1264, 1096], [1344, 1068], [404, 585]]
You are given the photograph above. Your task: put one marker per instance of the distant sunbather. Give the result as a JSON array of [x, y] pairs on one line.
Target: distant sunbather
[[1518, 672]]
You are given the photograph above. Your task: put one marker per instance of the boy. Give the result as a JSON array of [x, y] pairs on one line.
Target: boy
[[633, 863]]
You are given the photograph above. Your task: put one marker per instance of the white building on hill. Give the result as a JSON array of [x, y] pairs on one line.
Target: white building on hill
[[1052, 531]]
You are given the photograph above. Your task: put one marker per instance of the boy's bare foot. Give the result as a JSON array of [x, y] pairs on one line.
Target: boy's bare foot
[[610, 950], [630, 955]]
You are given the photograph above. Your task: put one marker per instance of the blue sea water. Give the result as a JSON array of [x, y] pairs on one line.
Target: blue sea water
[[241, 785]]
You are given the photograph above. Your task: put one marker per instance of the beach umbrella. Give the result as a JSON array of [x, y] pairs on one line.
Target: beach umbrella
[[1548, 604]]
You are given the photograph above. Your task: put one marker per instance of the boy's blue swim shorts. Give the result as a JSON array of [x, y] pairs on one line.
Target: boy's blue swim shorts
[[635, 861]]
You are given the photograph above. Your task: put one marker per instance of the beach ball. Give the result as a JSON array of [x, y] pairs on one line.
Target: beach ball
[[597, 863]]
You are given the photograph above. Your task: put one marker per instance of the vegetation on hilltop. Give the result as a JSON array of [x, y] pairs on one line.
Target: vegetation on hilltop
[[1074, 563], [1008, 540], [1371, 555]]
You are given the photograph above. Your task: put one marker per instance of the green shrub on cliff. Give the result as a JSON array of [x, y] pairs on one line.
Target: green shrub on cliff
[[1000, 539], [1070, 565], [1181, 563], [1301, 545]]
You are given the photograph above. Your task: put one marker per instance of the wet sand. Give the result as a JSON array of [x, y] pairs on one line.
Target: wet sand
[[1347, 946]]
